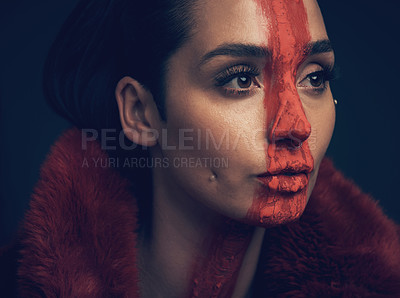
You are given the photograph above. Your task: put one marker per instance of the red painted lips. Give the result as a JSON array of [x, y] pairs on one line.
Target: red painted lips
[[289, 182]]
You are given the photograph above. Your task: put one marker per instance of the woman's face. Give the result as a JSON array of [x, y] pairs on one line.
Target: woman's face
[[248, 101]]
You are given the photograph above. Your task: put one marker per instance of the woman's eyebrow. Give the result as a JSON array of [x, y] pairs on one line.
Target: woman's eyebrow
[[236, 50], [249, 50], [319, 47]]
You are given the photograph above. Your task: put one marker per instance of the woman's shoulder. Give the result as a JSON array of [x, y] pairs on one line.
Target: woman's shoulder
[[343, 245]]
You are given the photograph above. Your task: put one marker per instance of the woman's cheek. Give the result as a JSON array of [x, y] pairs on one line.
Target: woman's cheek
[[322, 131], [322, 119]]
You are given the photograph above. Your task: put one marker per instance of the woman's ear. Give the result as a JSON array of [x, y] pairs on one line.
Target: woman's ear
[[137, 112]]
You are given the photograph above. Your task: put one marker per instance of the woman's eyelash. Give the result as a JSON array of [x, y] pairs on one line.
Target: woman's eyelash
[[328, 72], [320, 79], [230, 73]]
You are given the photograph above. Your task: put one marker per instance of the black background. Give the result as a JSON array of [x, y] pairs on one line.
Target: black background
[[364, 146]]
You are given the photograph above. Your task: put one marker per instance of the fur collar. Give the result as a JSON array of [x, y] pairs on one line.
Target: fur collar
[[79, 236]]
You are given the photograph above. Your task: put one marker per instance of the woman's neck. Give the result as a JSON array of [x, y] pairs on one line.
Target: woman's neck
[[192, 250]]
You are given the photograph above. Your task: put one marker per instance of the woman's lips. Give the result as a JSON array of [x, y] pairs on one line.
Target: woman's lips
[[285, 182]]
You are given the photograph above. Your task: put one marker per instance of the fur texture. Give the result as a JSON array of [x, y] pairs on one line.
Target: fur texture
[[80, 230], [79, 237], [343, 246]]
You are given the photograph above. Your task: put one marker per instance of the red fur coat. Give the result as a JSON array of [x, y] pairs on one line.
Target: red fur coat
[[79, 238]]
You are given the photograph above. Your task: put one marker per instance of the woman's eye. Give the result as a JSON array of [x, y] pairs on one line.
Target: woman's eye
[[241, 85], [240, 82], [315, 79]]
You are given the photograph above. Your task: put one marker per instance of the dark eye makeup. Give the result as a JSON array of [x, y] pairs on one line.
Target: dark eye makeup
[[242, 80], [316, 81], [238, 80]]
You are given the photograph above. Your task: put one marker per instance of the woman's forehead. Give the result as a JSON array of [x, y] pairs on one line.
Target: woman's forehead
[[230, 21], [245, 22]]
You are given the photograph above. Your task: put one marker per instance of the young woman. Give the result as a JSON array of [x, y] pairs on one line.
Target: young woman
[[196, 167]]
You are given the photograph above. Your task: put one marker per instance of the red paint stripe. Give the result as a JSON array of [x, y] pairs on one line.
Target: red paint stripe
[[285, 117], [215, 273]]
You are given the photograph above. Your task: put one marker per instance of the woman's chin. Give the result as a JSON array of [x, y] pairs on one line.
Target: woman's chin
[[272, 209]]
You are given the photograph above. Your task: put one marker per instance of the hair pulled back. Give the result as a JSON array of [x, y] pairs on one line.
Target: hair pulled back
[[101, 42]]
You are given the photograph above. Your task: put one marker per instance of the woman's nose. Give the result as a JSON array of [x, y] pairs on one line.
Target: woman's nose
[[291, 127]]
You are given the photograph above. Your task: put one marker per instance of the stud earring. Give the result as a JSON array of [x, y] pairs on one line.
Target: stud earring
[[212, 178], [335, 101]]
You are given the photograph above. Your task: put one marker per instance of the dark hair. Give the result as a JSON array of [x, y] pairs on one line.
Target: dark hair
[[101, 42], [104, 40]]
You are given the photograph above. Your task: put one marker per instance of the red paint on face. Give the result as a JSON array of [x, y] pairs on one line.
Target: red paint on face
[[282, 198]]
